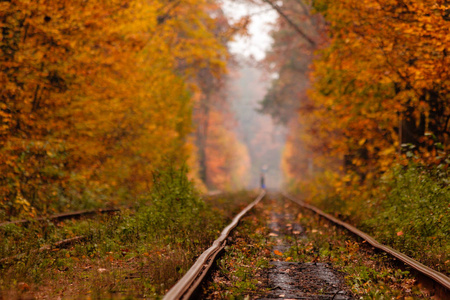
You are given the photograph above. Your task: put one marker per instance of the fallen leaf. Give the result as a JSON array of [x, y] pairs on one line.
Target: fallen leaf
[[279, 253], [23, 286]]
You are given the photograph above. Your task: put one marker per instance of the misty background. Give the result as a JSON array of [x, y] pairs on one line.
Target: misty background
[[247, 87], [263, 139]]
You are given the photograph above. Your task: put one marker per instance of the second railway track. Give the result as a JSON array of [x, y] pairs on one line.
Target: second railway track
[[54, 218]]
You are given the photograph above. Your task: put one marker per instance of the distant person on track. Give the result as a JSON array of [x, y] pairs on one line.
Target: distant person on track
[[263, 184], [264, 169]]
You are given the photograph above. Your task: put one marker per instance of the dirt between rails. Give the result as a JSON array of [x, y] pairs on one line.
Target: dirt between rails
[[272, 256], [297, 280], [270, 234]]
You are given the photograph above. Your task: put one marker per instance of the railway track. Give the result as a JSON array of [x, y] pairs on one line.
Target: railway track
[[187, 287], [55, 218], [434, 280], [63, 216], [192, 280], [34, 245]]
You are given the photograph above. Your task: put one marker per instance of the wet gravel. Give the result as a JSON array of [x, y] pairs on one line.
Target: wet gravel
[[292, 280], [299, 280]]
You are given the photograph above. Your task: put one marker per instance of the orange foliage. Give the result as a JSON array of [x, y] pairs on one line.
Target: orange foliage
[[97, 94], [382, 82], [380, 91], [227, 160]]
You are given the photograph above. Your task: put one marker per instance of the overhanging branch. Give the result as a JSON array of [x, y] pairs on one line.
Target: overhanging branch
[[291, 23]]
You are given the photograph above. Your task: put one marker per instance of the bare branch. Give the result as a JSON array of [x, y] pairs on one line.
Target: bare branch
[[293, 25], [305, 9]]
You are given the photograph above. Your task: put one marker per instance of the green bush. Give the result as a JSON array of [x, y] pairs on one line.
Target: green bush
[[174, 203], [415, 215]]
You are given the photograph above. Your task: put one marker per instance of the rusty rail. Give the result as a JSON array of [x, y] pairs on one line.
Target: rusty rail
[[189, 283], [441, 280], [64, 216], [54, 218], [60, 244]]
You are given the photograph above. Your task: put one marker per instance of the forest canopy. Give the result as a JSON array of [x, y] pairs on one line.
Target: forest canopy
[[379, 86], [96, 95]]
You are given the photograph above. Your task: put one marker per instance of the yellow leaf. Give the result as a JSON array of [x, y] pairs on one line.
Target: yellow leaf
[[387, 151]]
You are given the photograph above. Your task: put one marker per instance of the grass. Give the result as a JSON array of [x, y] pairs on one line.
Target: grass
[[132, 254], [415, 216], [407, 209]]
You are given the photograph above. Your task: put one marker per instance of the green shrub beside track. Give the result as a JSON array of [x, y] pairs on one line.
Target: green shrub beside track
[[414, 218], [407, 209], [138, 253]]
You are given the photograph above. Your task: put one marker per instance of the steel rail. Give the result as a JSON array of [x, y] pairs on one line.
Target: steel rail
[[60, 244], [57, 217], [188, 284], [77, 214], [439, 278], [64, 216]]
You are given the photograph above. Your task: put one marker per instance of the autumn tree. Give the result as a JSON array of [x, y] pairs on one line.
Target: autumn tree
[[383, 80], [298, 33], [95, 95], [222, 159], [379, 84]]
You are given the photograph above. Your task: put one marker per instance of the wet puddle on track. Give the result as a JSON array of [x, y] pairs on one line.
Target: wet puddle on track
[[299, 280]]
